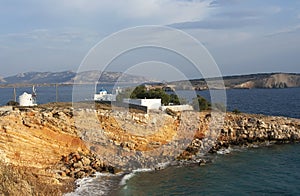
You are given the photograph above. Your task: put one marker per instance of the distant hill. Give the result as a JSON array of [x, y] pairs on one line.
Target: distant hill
[[2, 80], [274, 80], [265, 80], [108, 77], [40, 77], [69, 77]]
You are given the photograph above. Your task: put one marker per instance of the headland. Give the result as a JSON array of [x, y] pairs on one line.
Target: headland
[[45, 148]]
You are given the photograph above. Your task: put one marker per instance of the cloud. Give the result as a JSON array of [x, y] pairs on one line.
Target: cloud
[[217, 3], [286, 30], [53, 32], [233, 16], [217, 23], [50, 39], [158, 11]]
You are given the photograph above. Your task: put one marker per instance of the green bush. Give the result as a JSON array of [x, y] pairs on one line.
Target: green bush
[[200, 103], [141, 92], [236, 111]]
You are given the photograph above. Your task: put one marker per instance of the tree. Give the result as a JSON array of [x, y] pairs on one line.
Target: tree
[[200, 103], [140, 92], [124, 94]]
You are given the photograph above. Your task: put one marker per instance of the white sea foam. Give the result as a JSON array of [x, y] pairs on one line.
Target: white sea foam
[[162, 165], [224, 151], [101, 184], [126, 178], [133, 173]]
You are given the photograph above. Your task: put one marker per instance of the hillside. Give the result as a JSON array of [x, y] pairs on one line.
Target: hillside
[[1, 80], [263, 80], [69, 77], [276, 80], [267, 80]]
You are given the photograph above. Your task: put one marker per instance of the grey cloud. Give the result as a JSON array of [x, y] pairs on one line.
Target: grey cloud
[[239, 14], [216, 3], [217, 23], [294, 29], [50, 36]]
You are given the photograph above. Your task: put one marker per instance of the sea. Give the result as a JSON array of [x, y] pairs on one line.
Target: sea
[[269, 170]]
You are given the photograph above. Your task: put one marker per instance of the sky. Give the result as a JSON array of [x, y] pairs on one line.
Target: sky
[[242, 36]]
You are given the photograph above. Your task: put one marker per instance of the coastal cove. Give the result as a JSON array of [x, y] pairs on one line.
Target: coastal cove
[[22, 125], [134, 98], [266, 170], [272, 170]]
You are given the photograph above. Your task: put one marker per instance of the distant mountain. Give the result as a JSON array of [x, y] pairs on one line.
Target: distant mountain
[[2, 80], [107, 77], [265, 80], [277, 80], [40, 77], [69, 77]]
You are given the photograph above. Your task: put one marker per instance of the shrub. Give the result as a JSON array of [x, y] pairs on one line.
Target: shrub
[[236, 111], [200, 103], [140, 92], [12, 103]]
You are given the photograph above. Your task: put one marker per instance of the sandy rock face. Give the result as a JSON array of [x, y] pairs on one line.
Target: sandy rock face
[[34, 140], [54, 144], [37, 137]]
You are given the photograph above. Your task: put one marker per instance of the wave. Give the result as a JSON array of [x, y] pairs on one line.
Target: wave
[[224, 151], [101, 184], [105, 183], [126, 177]]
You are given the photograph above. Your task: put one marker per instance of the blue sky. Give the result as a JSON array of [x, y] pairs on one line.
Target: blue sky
[[243, 36]]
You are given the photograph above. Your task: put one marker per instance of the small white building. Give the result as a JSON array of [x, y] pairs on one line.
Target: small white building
[[104, 96], [177, 108], [152, 104], [27, 99]]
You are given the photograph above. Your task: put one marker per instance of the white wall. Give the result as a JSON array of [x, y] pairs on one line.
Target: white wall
[[106, 97], [177, 108], [26, 100], [152, 104]]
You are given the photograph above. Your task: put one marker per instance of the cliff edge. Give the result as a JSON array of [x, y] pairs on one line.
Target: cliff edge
[[44, 149]]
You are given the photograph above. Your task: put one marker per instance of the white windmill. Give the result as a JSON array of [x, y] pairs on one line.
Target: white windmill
[[27, 99]]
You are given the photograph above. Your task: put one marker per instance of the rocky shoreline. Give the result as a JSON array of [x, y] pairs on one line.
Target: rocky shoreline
[[249, 130], [52, 145]]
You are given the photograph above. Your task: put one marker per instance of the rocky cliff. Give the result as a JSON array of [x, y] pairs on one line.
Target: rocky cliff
[[246, 130], [32, 141], [43, 149], [279, 80], [268, 80]]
